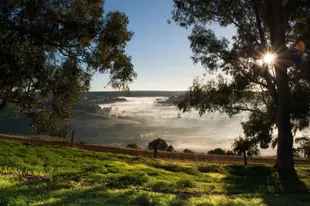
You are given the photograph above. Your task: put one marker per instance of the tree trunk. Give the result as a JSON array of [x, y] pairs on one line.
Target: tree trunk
[[285, 138], [245, 160], [156, 150], [72, 136]]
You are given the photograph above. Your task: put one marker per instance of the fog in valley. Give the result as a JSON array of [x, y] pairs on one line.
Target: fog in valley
[[110, 118]]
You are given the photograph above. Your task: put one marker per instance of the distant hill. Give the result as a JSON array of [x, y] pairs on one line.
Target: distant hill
[[135, 93]]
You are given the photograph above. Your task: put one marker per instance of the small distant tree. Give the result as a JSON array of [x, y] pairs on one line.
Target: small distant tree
[[246, 147], [170, 148], [304, 146], [217, 151], [157, 144], [188, 151], [230, 153], [133, 146]]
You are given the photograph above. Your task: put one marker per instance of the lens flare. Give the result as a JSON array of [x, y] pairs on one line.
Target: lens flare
[[269, 58]]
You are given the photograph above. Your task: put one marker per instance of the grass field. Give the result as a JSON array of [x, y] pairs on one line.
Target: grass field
[[46, 175]]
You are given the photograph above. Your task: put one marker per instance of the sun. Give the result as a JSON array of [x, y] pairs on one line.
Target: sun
[[269, 58]]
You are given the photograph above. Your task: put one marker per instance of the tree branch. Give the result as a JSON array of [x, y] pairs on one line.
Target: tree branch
[[243, 29], [271, 87], [263, 97], [245, 109], [259, 23]]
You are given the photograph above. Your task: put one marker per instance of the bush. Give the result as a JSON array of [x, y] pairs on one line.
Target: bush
[[188, 151], [230, 153], [133, 146], [170, 149], [161, 144], [217, 151]]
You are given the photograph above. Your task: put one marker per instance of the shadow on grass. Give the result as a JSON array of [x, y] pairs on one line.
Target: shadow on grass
[[273, 186], [56, 194]]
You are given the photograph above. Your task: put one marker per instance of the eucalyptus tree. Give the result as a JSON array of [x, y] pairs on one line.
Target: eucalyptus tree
[[262, 71], [49, 51]]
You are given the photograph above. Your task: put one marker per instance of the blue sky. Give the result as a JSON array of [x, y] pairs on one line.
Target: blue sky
[[160, 51]]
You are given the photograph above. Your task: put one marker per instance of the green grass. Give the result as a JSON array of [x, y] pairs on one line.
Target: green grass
[[43, 175]]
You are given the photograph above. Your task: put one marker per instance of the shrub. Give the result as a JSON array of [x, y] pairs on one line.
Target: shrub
[[217, 151], [133, 146], [170, 148], [230, 153], [188, 151]]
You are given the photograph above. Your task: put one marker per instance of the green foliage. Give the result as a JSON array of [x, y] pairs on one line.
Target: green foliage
[[217, 151], [159, 143], [49, 52], [133, 146], [45, 175], [246, 85], [230, 153], [188, 151], [170, 148], [247, 145], [304, 146]]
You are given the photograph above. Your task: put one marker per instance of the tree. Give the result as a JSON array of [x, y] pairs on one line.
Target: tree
[[49, 51], [217, 151], [304, 146], [230, 153], [157, 144], [170, 148], [133, 146], [274, 95], [160, 143], [188, 151], [245, 146]]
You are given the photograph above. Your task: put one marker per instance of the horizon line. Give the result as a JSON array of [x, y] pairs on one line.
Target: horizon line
[[147, 90]]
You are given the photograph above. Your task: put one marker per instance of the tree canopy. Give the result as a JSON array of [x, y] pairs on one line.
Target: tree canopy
[[217, 151], [159, 143], [303, 146], [49, 51], [245, 83], [245, 145]]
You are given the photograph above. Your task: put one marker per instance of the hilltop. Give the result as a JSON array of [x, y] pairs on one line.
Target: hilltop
[[55, 175]]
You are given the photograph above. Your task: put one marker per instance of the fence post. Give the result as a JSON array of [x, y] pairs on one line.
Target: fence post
[[71, 145]]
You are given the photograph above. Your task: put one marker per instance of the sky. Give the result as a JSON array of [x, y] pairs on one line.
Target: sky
[[160, 51]]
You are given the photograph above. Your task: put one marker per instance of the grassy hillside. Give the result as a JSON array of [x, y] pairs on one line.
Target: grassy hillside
[[43, 175]]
